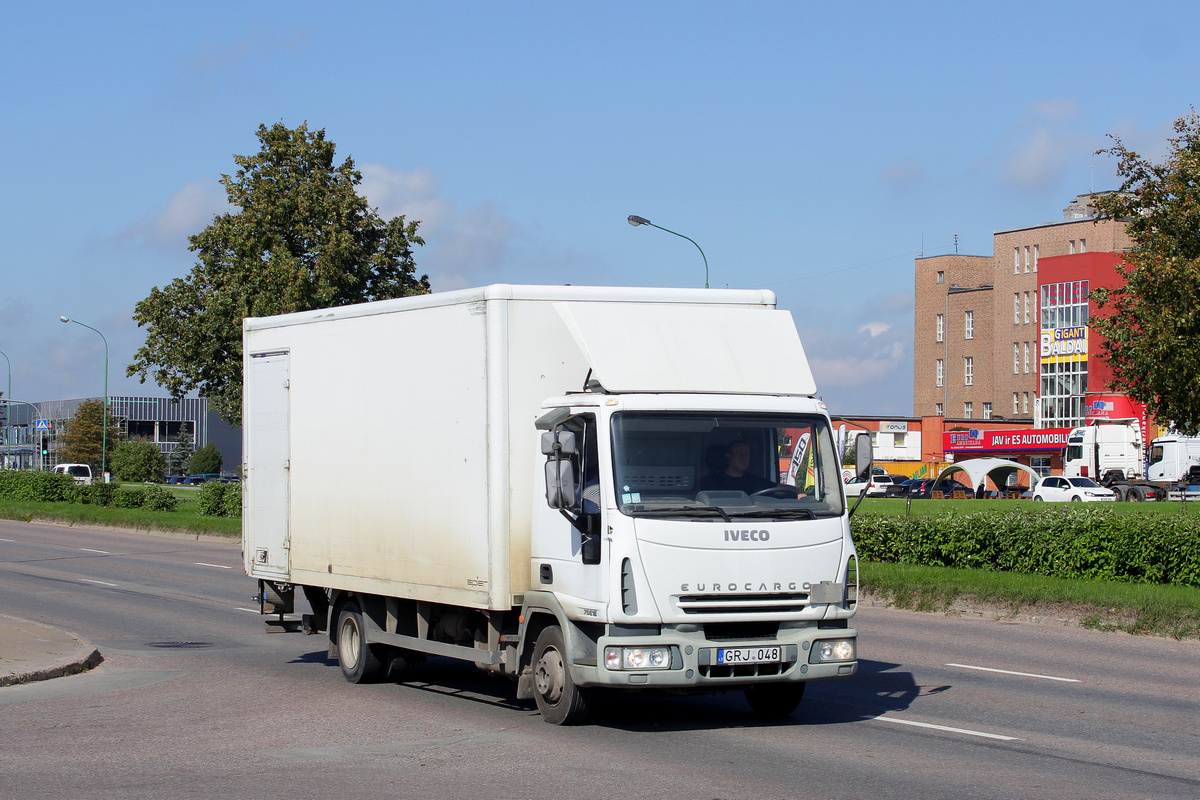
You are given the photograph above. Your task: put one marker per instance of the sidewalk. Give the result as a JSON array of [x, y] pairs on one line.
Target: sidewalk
[[31, 651]]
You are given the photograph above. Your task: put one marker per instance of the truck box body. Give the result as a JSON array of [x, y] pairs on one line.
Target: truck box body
[[401, 460]]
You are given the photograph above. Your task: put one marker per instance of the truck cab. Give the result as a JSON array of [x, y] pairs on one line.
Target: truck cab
[[705, 559]]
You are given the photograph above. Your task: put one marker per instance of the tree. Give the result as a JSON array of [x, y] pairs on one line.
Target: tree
[[82, 440], [1153, 327], [302, 239], [206, 460], [138, 461], [180, 457]]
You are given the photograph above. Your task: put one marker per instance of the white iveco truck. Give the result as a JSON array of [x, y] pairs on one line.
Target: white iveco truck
[[579, 488]]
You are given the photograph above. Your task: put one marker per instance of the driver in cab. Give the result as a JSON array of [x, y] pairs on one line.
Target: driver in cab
[[735, 476]]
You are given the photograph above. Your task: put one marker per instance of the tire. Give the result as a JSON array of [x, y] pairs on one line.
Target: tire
[[360, 662], [1037, 498], [774, 700], [1136, 495], [1076, 499], [558, 699]]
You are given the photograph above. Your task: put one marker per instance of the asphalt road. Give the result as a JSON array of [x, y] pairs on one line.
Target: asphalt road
[[195, 699]]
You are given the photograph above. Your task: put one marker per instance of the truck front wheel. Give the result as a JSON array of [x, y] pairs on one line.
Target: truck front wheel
[[774, 699], [360, 661], [558, 699]]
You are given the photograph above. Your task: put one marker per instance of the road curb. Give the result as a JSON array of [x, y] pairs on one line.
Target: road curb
[[31, 651]]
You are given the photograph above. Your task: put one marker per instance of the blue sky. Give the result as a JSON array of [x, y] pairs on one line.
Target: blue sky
[[814, 149]]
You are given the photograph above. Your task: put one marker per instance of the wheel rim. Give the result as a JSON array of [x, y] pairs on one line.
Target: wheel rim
[[348, 643], [548, 677]]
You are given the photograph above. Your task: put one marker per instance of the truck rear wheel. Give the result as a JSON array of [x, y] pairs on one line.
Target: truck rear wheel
[[1136, 495], [558, 699], [774, 699], [360, 662]]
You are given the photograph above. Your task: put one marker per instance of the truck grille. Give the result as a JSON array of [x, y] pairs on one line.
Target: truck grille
[[741, 603], [743, 670], [741, 631]]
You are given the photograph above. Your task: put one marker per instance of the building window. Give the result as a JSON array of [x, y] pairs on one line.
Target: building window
[[1025, 402], [941, 278], [940, 372], [1037, 253], [1040, 465], [969, 325], [898, 440], [968, 411], [1027, 308], [1016, 358], [968, 371], [1016, 261], [1026, 358], [1016, 308], [1016, 406], [938, 409], [987, 410], [1027, 258], [1071, 248], [941, 325], [1083, 245]]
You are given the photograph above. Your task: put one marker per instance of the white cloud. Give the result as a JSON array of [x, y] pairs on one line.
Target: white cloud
[[1046, 146], [188, 212], [459, 245], [875, 328]]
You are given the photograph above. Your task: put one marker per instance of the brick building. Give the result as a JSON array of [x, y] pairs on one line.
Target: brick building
[[978, 328]]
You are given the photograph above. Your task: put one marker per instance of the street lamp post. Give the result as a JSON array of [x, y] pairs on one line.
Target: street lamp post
[[104, 429], [635, 220], [8, 409]]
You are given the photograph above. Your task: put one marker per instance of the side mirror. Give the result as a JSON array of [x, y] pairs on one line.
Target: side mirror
[[563, 438], [863, 456], [560, 483]]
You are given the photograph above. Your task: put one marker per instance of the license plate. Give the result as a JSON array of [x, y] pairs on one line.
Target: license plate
[[749, 655]]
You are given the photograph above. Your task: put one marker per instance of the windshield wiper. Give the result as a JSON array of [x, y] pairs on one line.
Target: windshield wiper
[[677, 509], [779, 512]]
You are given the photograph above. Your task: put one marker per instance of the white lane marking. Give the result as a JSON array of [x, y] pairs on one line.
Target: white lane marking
[[945, 728], [101, 583], [218, 566], [1010, 672], [8, 540], [90, 550], [251, 610]]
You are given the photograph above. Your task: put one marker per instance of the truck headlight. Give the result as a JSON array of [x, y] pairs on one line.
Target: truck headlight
[[637, 658], [828, 651]]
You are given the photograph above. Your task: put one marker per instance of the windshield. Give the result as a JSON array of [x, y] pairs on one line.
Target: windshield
[[1084, 482], [704, 465]]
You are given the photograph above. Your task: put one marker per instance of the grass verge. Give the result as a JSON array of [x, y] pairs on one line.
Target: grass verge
[[1131, 607], [897, 506], [185, 519]]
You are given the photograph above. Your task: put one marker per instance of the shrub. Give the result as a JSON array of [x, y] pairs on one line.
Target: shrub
[[129, 498], [159, 499], [38, 487], [139, 461], [1084, 543], [220, 499]]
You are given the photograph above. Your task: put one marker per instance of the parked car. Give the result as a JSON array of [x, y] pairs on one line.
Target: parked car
[[923, 488], [196, 480], [1057, 489], [879, 485], [174, 479], [855, 488], [82, 473]]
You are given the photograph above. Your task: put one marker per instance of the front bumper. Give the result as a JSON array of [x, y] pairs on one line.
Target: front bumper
[[693, 661]]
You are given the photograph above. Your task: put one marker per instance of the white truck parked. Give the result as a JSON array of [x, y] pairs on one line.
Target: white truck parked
[[557, 484], [1111, 454]]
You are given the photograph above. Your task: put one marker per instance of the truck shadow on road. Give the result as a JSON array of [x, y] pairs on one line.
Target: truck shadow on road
[[877, 688]]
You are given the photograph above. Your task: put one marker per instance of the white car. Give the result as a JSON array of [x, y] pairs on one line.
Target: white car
[[879, 485], [1057, 489], [855, 488]]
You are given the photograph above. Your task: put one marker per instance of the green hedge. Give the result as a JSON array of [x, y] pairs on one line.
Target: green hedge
[[1091, 543], [220, 499], [49, 487]]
